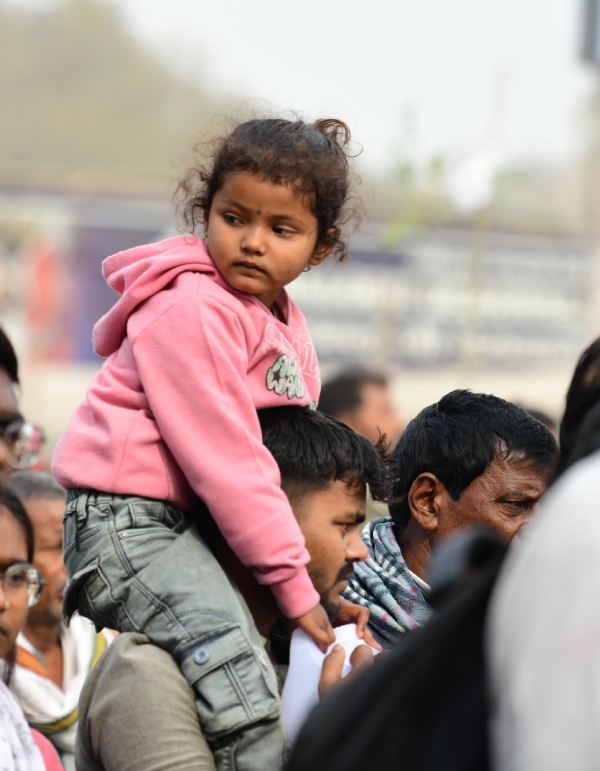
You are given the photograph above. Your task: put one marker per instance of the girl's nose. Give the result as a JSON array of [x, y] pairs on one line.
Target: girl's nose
[[253, 241]]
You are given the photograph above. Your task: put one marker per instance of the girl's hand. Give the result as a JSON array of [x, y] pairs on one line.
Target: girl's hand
[[316, 624], [359, 615]]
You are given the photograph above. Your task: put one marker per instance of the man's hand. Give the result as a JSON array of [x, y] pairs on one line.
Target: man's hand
[[316, 625], [331, 674], [359, 615]]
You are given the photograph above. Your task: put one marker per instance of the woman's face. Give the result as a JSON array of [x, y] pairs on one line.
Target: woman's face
[[13, 548]]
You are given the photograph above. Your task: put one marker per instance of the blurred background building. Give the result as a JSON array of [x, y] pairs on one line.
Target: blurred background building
[[478, 264]]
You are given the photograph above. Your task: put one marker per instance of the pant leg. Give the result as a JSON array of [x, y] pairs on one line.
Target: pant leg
[[136, 565]]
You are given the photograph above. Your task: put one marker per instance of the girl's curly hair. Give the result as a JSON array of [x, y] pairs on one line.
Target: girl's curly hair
[[312, 158]]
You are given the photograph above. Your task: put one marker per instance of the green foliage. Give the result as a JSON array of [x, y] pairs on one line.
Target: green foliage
[[421, 199], [84, 106]]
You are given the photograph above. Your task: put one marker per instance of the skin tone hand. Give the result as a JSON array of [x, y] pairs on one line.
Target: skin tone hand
[[356, 614], [331, 674], [316, 624]]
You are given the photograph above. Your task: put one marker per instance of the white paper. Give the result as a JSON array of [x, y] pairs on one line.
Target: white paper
[[301, 689]]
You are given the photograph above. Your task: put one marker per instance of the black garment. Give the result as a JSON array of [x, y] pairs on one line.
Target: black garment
[[424, 706]]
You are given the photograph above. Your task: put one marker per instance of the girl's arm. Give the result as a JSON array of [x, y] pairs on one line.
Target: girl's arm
[[193, 362]]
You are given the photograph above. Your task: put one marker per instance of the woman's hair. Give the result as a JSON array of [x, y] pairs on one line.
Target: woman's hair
[[311, 158], [10, 501], [580, 421]]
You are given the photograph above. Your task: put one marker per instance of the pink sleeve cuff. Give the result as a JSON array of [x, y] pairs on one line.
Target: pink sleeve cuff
[[297, 595]]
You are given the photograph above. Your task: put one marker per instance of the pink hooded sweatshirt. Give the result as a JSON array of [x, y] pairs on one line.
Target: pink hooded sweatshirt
[[172, 413]]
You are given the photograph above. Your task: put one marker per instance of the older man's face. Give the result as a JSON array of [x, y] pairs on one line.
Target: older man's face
[[46, 515], [502, 498], [331, 521]]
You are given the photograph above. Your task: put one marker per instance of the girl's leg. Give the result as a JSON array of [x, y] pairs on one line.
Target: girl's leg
[[136, 565]]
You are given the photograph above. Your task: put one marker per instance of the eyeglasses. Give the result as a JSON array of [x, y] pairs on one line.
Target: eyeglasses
[[22, 585], [23, 442]]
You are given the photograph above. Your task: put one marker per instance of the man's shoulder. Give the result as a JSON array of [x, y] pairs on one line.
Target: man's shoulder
[[137, 690], [129, 654]]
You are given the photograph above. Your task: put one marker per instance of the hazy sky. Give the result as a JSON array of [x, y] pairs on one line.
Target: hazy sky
[[452, 63]]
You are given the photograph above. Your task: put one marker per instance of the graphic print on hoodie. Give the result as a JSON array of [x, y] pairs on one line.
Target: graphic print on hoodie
[[172, 413]]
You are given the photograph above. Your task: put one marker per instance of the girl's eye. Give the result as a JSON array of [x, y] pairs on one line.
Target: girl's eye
[[283, 231], [231, 219]]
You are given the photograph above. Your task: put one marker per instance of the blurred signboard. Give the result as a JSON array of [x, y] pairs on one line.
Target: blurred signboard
[[410, 307], [51, 253]]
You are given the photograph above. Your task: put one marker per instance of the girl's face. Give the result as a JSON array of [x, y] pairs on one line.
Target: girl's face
[[13, 548], [261, 236]]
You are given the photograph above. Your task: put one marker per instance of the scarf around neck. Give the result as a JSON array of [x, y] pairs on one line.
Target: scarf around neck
[[18, 751], [383, 584]]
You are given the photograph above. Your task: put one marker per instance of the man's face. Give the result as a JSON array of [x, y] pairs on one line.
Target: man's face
[[47, 515], [501, 498], [9, 410], [376, 414], [331, 522]]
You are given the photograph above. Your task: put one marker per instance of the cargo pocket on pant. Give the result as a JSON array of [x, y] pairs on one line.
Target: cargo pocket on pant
[[230, 682], [76, 597]]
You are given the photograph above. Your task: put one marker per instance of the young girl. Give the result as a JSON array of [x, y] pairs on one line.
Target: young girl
[[203, 335]]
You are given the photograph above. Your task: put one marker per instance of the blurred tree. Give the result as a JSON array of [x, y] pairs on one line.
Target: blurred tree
[[84, 106], [422, 201]]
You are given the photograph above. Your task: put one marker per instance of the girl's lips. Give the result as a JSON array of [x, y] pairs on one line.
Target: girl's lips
[[249, 266]]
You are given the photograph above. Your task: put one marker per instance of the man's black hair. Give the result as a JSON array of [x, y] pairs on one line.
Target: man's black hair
[[8, 358], [457, 439], [312, 450], [343, 394]]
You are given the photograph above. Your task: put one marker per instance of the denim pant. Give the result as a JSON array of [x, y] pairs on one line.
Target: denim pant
[[136, 565]]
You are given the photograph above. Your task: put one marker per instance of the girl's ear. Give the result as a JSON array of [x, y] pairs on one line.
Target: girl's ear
[[323, 250]]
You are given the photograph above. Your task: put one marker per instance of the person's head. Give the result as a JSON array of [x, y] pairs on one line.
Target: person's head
[[581, 419], [325, 467], [21, 583], [272, 201], [44, 500], [471, 459], [9, 407], [362, 401], [20, 442], [543, 417]]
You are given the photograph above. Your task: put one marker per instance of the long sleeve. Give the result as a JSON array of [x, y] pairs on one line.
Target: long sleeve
[[193, 361]]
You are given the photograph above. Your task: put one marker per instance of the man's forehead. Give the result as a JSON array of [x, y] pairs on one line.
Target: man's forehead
[[340, 497], [514, 473], [46, 514]]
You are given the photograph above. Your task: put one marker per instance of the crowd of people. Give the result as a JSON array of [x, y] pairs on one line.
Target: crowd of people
[[218, 529]]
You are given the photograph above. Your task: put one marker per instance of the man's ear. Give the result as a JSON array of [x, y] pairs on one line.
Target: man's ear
[[323, 250], [424, 499]]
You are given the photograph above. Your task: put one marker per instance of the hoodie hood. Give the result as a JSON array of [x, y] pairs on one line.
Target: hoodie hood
[[139, 273]]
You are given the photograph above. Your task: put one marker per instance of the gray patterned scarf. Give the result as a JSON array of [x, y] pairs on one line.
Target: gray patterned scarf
[[383, 584]]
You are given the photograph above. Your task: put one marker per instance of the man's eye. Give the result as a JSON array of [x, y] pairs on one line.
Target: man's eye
[[517, 507]]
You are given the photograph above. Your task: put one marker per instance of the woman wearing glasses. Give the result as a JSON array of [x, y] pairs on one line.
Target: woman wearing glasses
[[21, 748]]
